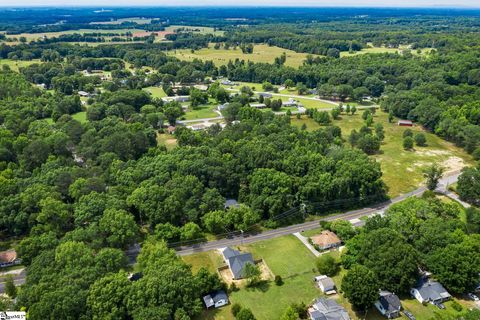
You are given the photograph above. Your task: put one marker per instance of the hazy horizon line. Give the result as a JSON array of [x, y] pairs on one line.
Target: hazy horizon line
[[433, 7]]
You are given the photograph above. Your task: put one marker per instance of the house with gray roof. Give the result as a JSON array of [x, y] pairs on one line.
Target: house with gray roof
[[327, 309], [231, 203], [389, 305], [326, 284], [430, 291], [237, 261], [216, 299]]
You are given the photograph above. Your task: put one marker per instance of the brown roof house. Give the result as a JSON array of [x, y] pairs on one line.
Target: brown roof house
[[8, 258], [326, 240]]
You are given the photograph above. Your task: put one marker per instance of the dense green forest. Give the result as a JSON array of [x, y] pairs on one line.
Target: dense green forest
[[74, 195]]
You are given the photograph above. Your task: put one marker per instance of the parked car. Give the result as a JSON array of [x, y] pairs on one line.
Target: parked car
[[409, 315], [473, 296], [440, 305]]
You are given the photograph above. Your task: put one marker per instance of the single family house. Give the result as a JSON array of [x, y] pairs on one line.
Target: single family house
[[327, 309], [430, 291], [237, 261], [389, 305], [326, 240]]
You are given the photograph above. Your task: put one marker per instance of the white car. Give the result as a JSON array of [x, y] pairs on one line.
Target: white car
[[473, 297]]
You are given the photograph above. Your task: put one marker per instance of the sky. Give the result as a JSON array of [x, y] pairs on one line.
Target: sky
[[318, 3]]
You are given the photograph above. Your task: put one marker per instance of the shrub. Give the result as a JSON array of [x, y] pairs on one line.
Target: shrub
[[245, 314], [236, 309], [407, 133], [407, 143], [456, 306], [278, 280], [420, 140], [476, 154], [327, 265]]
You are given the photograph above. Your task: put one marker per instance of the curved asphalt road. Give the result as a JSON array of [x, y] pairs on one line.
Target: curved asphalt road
[[355, 214], [250, 237]]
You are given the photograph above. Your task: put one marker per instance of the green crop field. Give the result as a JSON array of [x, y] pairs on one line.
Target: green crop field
[[402, 170], [261, 53]]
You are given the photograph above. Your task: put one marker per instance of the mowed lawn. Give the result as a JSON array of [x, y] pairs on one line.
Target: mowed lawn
[[261, 53], [402, 170], [201, 112], [156, 92], [285, 256]]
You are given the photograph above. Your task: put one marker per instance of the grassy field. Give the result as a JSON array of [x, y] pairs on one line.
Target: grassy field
[[270, 301], [402, 170], [261, 53], [382, 50], [288, 257], [167, 140], [201, 112], [195, 29], [120, 21], [16, 64], [157, 92]]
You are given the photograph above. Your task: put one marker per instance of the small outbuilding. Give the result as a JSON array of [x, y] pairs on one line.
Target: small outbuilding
[[326, 240], [266, 95], [326, 284], [389, 305], [258, 105], [405, 123], [216, 299]]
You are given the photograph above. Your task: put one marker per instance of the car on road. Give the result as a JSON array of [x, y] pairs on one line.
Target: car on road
[[409, 315], [473, 296]]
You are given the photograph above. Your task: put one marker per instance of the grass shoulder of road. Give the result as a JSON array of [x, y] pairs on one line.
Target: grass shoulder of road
[[262, 53], [402, 170]]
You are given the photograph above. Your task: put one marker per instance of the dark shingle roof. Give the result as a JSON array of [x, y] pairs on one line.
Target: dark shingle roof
[[237, 264], [389, 301]]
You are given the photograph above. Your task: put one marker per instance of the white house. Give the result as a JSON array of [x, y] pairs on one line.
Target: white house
[[430, 291], [326, 284]]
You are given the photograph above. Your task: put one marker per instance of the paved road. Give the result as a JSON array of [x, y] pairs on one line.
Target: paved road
[[354, 214], [18, 279]]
